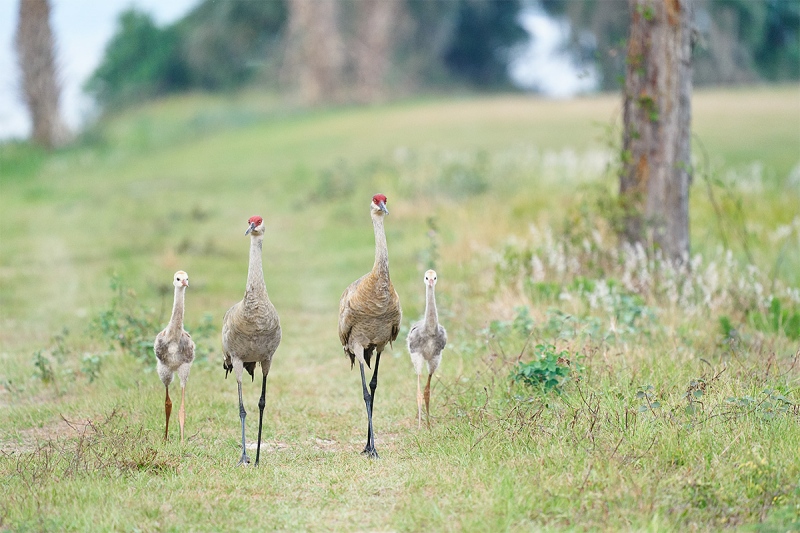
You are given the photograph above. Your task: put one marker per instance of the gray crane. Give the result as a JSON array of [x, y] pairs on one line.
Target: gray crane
[[251, 331], [370, 314], [174, 350], [426, 340]]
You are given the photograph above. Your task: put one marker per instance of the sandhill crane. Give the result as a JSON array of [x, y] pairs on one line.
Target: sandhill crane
[[426, 340], [175, 350], [369, 315], [251, 331]]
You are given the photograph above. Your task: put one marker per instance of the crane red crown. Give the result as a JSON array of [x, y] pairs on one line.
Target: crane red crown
[[378, 198], [257, 220]]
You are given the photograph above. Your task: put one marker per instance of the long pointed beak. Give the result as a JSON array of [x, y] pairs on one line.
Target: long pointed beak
[[382, 206], [251, 228]]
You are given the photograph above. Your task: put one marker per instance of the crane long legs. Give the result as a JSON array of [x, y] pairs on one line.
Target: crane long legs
[[427, 395], [167, 412], [242, 414], [182, 411], [369, 398], [261, 403]]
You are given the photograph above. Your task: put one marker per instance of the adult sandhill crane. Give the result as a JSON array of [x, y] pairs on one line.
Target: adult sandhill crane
[[175, 350], [251, 331], [369, 315], [426, 340]]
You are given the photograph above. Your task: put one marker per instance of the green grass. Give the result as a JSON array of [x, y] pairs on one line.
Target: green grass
[[171, 185]]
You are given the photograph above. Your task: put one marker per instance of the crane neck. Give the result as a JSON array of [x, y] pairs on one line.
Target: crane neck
[[431, 315], [175, 326], [255, 272], [381, 266]]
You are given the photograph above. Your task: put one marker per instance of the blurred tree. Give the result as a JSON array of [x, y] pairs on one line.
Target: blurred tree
[[326, 50], [484, 36], [373, 47], [738, 40], [140, 61], [315, 50], [656, 151], [228, 44], [40, 87]]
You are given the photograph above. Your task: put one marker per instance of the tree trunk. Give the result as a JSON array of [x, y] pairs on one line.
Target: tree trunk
[[36, 57], [372, 49], [656, 173], [315, 52]]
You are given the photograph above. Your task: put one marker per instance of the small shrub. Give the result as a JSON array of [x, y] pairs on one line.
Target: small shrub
[[648, 394], [44, 367], [549, 369], [126, 323], [776, 320], [91, 364]]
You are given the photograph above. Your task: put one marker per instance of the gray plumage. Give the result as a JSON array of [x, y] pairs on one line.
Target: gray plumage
[[251, 331], [426, 340], [174, 350]]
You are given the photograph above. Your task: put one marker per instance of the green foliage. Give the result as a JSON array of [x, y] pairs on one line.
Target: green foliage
[[126, 323], [141, 61], [549, 370], [767, 405], [44, 367], [762, 37], [777, 320], [485, 32], [227, 44], [91, 365], [647, 394]]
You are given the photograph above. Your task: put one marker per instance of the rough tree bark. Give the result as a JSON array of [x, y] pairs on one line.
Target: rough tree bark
[[656, 173], [315, 51], [40, 87], [373, 47]]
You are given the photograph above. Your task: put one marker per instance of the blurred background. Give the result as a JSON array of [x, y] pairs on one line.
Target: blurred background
[[122, 52]]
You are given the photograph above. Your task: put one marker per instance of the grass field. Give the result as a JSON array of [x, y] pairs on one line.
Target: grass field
[[673, 400]]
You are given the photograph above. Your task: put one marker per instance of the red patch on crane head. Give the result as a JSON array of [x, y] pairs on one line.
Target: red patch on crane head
[[257, 220], [378, 198]]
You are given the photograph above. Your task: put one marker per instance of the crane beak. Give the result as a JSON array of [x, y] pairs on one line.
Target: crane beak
[[185, 283], [382, 207], [251, 228]]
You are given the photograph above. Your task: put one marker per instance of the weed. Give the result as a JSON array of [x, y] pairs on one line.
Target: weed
[[647, 393], [91, 364], [126, 323], [44, 367], [549, 370]]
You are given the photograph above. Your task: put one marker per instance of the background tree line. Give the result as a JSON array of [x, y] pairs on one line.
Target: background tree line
[[365, 50]]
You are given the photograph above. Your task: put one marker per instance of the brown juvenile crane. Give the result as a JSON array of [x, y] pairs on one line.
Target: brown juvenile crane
[[369, 315], [426, 340], [175, 350], [251, 331]]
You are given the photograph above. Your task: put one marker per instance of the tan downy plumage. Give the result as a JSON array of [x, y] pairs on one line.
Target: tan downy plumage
[[370, 314], [426, 340], [251, 331], [174, 350]]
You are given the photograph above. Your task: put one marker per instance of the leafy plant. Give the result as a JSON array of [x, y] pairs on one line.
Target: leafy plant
[[126, 323], [91, 364], [549, 369], [44, 367], [648, 394], [776, 320]]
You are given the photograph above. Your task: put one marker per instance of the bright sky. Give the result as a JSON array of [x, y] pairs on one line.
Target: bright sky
[[83, 27]]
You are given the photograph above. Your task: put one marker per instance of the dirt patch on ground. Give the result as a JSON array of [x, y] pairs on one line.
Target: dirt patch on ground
[[27, 440]]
